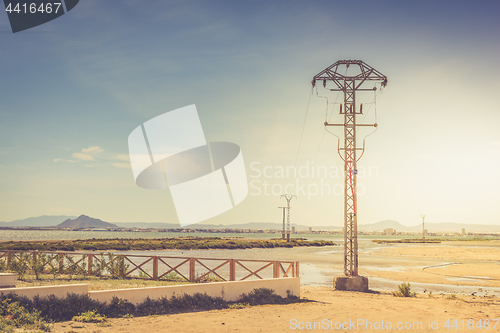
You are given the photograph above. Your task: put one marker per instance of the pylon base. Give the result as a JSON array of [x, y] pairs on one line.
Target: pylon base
[[351, 283]]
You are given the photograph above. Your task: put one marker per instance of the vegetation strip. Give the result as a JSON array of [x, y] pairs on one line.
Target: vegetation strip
[[21, 312], [405, 241], [184, 243]]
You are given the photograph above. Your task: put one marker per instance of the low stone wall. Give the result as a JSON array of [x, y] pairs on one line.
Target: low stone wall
[[230, 291], [8, 280], [58, 291]]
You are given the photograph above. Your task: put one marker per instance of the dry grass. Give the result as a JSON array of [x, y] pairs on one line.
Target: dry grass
[[96, 283]]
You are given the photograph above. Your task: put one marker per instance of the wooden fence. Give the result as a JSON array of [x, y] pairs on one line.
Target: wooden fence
[[149, 267]]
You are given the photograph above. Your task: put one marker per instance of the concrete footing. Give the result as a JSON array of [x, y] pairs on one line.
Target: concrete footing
[[352, 283]]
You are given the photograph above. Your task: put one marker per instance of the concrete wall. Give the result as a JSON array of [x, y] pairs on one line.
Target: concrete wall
[[8, 280], [230, 291], [58, 291]]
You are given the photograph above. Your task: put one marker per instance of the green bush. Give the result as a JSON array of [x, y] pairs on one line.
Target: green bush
[[266, 296], [14, 315], [404, 291], [90, 317], [20, 265], [52, 308]]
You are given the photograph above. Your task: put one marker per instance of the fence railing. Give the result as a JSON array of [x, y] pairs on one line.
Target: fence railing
[[149, 267]]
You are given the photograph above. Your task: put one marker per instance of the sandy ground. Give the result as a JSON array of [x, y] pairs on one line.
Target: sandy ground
[[459, 263], [325, 306]]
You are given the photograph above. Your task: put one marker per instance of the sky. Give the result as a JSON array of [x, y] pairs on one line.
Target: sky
[[73, 89]]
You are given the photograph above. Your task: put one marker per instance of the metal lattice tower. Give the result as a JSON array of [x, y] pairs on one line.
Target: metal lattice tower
[[284, 228], [288, 198], [349, 85], [423, 227]]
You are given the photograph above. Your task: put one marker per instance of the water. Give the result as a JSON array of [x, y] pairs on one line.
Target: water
[[318, 265], [16, 235]]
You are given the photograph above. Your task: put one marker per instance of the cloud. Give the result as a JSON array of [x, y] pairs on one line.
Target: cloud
[[121, 157], [121, 165], [84, 157], [92, 150], [88, 154], [96, 153]]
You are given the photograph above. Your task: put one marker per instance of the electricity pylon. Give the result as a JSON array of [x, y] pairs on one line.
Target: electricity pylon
[[349, 85], [288, 198], [423, 228], [283, 232]]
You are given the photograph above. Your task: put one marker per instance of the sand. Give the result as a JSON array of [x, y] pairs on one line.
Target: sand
[[324, 305], [460, 263]]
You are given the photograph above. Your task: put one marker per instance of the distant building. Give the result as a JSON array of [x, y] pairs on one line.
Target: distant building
[[389, 231], [310, 230], [463, 232], [293, 230], [425, 232]]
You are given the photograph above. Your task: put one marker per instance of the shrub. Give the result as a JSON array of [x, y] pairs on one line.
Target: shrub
[[82, 308], [265, 296], [90, 317], [404, 291], [119, 308], [20, 265], [14, 315], [173, 276]]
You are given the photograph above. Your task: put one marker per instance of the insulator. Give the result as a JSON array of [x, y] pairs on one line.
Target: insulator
[[324, 83], [361, 108], [313, 82], [340, 107]]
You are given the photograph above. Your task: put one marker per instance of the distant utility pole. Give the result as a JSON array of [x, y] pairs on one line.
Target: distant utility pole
[[288, 198], [283, 232], [423, 228]]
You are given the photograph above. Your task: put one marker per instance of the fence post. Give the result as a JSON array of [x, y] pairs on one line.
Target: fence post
[[297, 269], [232, 270], [61, 263], [155, 268], [9, 258], [276, 273], [121, 265], [90, 259], [192, 277]]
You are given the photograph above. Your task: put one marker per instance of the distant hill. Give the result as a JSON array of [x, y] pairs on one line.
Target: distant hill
[[40, 221], [456, 227], [84, 221], [250, 225], [382, 225], [431, 227]]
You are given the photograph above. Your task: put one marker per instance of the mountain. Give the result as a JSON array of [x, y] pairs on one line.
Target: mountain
[[84, 221], [383, 225], [431, 227], [40, 221], [456, 227]]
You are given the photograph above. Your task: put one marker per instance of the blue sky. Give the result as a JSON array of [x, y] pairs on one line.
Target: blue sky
[[73, 89]]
